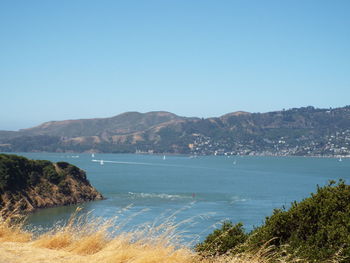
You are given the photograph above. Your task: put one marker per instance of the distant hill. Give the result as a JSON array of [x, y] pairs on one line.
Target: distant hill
[[126, 123], [299, 131], [26, 185]]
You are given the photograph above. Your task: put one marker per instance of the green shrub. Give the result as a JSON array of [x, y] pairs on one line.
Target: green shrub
[[42, 163], [76, 172], [51, 174], [222, 240], [316, 229], [62, 165], [72, 170], [33, 178], [13, 172]]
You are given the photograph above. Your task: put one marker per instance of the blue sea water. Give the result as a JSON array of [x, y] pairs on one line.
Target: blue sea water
[[199, 192]]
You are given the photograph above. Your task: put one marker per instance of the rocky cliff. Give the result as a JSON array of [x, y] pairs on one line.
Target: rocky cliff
[[26, 185]]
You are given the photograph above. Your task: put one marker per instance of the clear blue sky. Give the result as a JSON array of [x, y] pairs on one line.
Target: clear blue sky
[[82, 59]]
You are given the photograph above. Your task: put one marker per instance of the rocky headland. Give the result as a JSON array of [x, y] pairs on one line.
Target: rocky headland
[[27, 185]]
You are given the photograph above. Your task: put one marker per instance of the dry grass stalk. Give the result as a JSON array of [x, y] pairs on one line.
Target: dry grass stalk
[[90, 241]]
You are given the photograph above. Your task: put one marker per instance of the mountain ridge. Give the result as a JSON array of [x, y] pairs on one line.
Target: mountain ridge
[[297, 131], [126, 120]]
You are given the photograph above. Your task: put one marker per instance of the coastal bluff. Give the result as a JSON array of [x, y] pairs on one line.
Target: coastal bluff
[[27, 185]]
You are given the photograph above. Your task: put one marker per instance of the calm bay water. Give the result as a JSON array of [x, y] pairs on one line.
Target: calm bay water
[[206, 189]]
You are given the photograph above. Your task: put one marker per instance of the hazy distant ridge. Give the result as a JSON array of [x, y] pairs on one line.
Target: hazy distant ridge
[[298, 131], [125, 123]]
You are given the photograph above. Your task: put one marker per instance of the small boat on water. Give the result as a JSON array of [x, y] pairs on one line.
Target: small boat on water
[[101, 162], [92, 155], [340, 159], [163, 157]]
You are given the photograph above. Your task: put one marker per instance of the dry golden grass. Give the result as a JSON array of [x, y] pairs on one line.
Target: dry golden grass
[[90, 241], [265, 254], [85, 240], [12, 232]]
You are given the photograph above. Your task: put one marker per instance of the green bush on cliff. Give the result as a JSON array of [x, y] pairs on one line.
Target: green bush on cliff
[[51, 174], [316, 229], [13, 172], [72, 170], [18, 173], [222, 240], [34, 178]]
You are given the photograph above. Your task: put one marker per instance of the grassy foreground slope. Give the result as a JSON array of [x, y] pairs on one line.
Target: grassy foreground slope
[[315, 230], [92, 243]]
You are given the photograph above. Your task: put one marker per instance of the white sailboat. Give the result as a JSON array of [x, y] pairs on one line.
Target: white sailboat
[[340, 159], [92, 155], [163, 157], [101, 162]]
